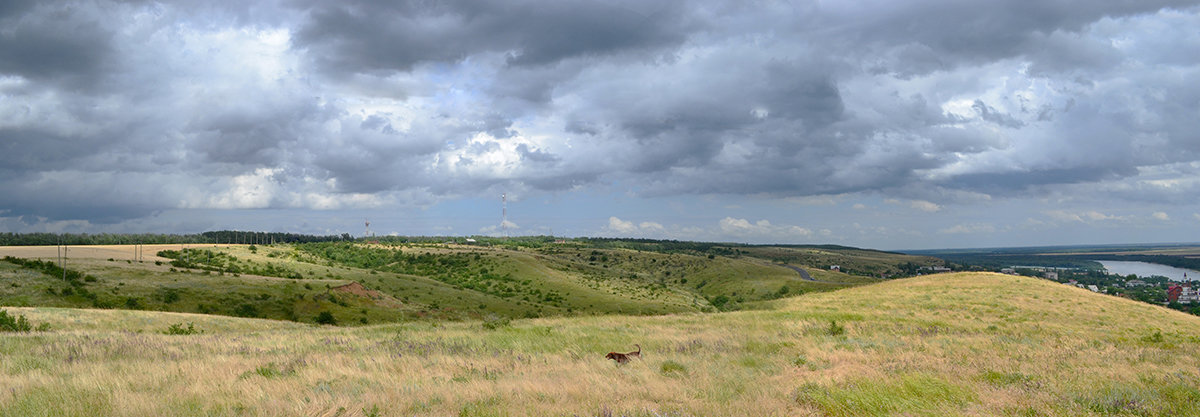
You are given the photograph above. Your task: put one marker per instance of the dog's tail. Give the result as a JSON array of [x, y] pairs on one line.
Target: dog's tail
[[639, 351]]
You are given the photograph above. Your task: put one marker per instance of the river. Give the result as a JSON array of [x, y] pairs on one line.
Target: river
[[1145, 269]]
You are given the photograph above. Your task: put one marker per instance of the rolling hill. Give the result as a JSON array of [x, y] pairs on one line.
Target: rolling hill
[[395, 282], [946, 344]]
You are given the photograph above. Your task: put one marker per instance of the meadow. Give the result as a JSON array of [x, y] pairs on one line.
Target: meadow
[[948, 344]]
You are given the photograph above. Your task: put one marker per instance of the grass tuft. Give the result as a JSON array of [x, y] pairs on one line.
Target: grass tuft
[[672, 368]]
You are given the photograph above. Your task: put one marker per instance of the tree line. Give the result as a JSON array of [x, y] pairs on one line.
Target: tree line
[[214, 237]]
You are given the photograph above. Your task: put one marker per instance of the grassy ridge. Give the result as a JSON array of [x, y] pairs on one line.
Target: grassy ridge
[[959, 344], [411, 281]]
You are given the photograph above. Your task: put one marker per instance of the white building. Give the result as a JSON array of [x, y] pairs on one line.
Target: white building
[[1189, 295]]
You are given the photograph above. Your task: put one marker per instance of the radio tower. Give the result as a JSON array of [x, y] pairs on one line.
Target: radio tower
[[367, 234], [504, 214]]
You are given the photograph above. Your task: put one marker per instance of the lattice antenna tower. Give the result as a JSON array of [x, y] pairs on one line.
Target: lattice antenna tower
[[368, 232], [504, 214]]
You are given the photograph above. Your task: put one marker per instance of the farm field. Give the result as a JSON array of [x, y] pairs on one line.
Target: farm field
[[946, 344]]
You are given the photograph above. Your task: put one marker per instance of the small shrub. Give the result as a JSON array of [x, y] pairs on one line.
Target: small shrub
[[800, 360], [672, 367], [326, 318], [836, 329], [169, 295], [246, 310], [493, 322], [178, 329]]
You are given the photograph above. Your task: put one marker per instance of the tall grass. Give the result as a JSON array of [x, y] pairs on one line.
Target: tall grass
[[963, 344]]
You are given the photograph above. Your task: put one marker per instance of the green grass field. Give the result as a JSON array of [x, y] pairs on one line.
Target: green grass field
[[407, 281], [942, 345]]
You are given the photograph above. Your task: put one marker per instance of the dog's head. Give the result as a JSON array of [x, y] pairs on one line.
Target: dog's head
[[612, 355]]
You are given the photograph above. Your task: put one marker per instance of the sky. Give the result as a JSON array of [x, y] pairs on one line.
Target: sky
[[881, 124]]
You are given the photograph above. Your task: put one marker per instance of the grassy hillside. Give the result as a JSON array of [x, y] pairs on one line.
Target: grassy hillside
[[854, 261], [403, 281], [951, 344]]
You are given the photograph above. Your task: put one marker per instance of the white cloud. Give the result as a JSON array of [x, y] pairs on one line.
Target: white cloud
[[499, 229], [621, 226], [761, 229], [1158, 215], [969, 229], [1087, 216], [631, 229], [922, 205], [650, 226]]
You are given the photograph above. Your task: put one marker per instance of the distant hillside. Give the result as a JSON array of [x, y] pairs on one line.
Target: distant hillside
[[518, 278], [946, 344]]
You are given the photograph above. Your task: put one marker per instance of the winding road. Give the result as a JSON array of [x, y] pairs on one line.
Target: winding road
[[804, 274]]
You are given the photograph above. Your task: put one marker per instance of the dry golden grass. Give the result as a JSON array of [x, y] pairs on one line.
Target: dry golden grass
[[956, 344], [117, 252]]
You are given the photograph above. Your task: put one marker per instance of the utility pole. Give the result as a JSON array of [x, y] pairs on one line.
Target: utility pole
[[62, 263], [504, 214]]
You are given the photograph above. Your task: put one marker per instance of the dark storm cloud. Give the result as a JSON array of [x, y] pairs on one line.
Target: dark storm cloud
[[330, 104], [367, 36], [954, 33], [57, 43]]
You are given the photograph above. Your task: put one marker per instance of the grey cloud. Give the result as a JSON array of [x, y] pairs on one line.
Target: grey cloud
[[366, 36], [51, 42], [990, 114], [1006, 183], [662, 98], [967, 32], [536, 155]]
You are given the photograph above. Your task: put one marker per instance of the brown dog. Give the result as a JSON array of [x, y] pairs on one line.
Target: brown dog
[[624, 357]]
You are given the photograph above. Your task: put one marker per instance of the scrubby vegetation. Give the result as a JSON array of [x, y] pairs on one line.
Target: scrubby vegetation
[[404, 279], [14, 323]]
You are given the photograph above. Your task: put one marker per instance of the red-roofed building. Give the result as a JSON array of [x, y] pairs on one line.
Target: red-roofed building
[[1173, 293]]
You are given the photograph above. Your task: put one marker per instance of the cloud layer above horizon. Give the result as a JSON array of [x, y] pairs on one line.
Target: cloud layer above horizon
[[922, 116]]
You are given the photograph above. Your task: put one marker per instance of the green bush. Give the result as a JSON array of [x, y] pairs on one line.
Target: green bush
[[493, 322], [836, 329], [326, 318], [246, 310], [178, 329], [14, 323]]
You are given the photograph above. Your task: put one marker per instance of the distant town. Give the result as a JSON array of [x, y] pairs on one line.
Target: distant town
[[1178, 295]]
